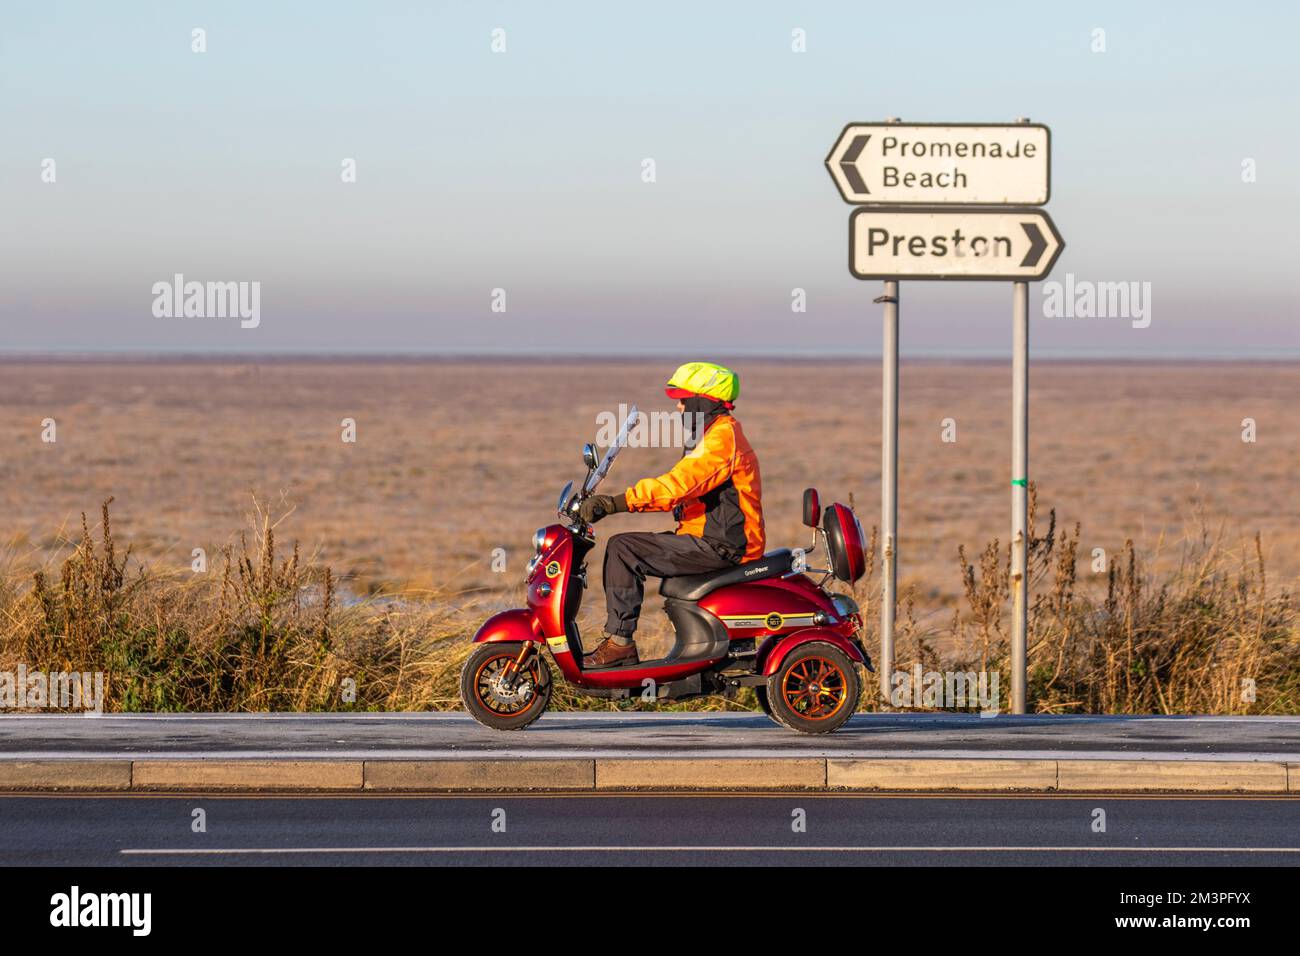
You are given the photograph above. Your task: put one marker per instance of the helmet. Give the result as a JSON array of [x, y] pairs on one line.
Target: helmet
[[704, 378]]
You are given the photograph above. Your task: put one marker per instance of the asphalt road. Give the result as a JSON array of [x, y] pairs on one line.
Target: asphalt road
[[647, 829], [647, 734]]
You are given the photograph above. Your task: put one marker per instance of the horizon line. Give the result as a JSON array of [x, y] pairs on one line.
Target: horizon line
[[17, 356]]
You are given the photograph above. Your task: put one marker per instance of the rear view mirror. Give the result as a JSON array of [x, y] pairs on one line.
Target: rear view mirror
[[589, 456], [812, 507]]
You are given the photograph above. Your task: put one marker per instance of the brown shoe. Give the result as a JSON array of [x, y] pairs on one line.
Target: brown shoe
[[609, 654]]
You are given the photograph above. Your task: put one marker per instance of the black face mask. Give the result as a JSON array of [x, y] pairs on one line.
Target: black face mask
[[698, 415]]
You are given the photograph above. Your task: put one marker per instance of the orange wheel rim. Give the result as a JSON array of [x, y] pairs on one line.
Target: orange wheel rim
[[485, 678], [814, 688]]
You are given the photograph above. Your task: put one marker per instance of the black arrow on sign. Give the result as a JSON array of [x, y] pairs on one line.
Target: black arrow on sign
[[848, 161], [1036, 244]]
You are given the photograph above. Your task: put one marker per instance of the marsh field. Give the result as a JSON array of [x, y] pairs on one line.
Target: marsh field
[[455, 459]]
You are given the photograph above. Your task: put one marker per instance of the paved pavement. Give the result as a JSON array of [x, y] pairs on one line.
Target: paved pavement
[[648, 830], [645, 735], [347, 762]]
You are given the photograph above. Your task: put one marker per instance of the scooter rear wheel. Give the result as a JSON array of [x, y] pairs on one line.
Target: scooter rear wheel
[[815, 690], [489, 701]]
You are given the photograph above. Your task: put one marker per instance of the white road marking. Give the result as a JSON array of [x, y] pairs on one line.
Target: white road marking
[[706, 849]]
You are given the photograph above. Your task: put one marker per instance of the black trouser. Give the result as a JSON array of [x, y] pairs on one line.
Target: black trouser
[[631, 556]]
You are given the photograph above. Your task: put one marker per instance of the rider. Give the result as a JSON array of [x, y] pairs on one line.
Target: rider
[[714, 493]]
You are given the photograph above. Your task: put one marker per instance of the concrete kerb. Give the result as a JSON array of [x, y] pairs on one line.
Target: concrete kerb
[[686, 773]]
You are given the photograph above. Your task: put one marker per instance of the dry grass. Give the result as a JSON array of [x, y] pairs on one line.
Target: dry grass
[[259, 631], [262, 631], [1207, 636]]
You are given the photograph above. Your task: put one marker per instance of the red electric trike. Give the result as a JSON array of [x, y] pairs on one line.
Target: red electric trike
[[764, 624]]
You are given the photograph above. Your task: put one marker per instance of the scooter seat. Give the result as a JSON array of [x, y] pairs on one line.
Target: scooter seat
[[692, 587]]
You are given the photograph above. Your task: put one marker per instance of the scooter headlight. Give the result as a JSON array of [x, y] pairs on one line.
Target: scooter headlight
[[539, 538]]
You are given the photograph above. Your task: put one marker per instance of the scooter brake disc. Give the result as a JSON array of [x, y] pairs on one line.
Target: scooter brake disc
[[523, 691]]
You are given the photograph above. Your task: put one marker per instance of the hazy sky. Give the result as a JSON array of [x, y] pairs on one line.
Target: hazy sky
[[522, 171]]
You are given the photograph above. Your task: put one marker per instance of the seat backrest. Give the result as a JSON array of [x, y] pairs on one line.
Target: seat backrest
[[692, 587]]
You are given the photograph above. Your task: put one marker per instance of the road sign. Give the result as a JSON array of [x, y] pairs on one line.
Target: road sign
[[942, 163], [918, 187], [887, 243]]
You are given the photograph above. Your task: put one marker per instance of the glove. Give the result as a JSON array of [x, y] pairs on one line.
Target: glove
[[601, 506]]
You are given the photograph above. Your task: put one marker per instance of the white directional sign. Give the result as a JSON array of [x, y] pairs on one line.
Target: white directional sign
[[939, 163], [952, 244]]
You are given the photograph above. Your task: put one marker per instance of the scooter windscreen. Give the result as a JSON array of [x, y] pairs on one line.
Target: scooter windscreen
[[611, 453]]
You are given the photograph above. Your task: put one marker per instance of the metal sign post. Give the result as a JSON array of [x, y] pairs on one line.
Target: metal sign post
[[919, 188], [1020, 485], [888, 488], [1019, 489]]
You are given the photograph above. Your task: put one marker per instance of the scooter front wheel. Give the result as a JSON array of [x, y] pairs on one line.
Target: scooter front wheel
[[815, 690], [496, 701]]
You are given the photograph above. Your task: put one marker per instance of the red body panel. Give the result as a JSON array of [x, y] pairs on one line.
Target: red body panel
[[630, 677], [758, 599], [552, 571], [771, 654], [514, 625]]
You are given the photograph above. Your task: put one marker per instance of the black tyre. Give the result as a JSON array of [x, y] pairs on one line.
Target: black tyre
[[761, 694], [815, 690], [495, 706]]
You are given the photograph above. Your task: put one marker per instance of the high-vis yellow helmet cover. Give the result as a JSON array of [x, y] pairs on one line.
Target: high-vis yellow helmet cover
[[704, 378]]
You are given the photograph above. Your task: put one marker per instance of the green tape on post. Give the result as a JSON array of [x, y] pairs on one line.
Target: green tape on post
[[1020, 482]]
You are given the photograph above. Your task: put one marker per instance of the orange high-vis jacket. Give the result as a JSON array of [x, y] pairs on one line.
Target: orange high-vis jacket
[[714, 491]]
